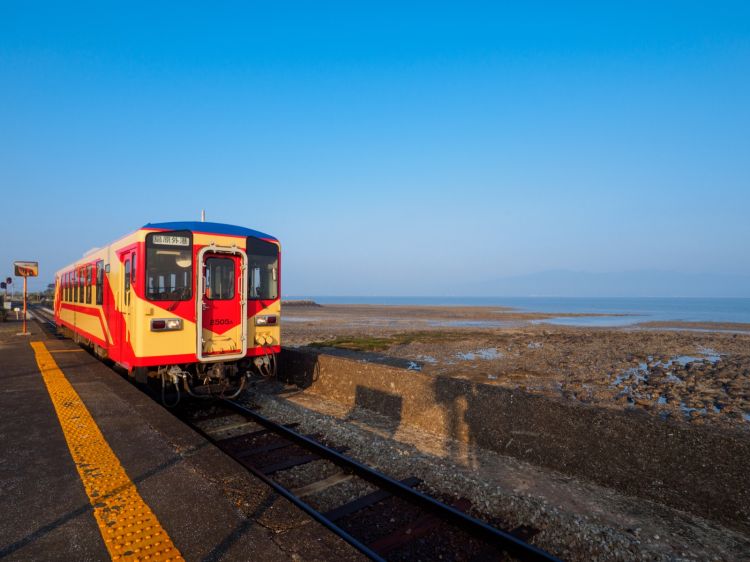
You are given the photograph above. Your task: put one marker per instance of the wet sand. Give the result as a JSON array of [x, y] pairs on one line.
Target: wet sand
[[690, 372]]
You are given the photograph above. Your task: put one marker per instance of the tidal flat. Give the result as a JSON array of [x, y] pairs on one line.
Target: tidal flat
[[697, 373]]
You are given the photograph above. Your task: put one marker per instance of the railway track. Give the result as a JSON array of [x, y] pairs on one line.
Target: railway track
[[392, 520], [46, 317]]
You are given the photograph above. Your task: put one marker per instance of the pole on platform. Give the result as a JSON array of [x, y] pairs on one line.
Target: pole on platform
[[25, 269], [24, 306]]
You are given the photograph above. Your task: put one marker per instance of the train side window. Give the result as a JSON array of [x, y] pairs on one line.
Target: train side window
[[74, 285], [89, 283], [99, 282], [67, 286], [126, 297], [81, 279], [64, 292], [262, 270]]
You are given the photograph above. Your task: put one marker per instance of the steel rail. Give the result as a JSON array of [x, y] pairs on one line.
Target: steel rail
[[304, 506], [42, 316], [479, 529], [318, 516]]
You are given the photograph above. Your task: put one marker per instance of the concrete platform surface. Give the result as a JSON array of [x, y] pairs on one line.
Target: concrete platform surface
[[207, 505]]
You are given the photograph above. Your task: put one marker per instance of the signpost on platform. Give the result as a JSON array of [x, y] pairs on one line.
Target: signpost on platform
[[25, 269]]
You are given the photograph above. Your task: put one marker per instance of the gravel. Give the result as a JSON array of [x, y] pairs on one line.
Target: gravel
[[577, 520]]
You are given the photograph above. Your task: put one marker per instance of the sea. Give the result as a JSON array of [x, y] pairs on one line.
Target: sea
[[629, 311]]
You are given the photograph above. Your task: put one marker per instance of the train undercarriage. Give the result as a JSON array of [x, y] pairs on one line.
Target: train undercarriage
[[215, 379], [206, 380]]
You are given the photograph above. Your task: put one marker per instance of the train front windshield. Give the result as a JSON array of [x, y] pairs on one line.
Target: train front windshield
[[263, 269], [169, 267]]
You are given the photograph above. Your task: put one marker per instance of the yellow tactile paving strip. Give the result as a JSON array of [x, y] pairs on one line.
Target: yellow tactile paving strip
[[129, 528]]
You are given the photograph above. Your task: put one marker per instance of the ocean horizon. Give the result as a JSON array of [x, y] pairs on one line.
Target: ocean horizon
[[631, 310]]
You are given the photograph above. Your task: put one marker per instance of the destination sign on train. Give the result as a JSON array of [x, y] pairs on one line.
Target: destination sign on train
[[26, 268], [168, 240]]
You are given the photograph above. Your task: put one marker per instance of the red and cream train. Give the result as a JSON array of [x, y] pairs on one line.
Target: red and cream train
[[189, 304]]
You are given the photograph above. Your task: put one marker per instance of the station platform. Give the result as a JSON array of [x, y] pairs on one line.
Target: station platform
[[92, 469]]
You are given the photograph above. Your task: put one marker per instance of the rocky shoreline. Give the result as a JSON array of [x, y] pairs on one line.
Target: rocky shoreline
[[699, 377]]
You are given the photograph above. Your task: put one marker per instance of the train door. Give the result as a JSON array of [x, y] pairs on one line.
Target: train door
[[221, 304], [126, 306]]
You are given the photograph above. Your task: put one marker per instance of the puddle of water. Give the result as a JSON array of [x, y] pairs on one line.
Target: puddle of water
[[489, 353], [706, 355], [687, 410], [471, 324], [427, 359], [485, 354], [593, 321], [710, 354], [638, 374], [413, 366], [684, 360], [300, 319], [699, 330], [492, 377], [535, 345]]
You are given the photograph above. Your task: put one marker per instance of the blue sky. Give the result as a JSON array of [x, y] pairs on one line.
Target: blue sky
[[394, 148]]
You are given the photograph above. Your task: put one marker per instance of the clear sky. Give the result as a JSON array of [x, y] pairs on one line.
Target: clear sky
[[395, 148]]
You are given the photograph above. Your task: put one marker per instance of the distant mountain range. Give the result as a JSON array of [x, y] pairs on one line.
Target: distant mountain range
[[646, 283]]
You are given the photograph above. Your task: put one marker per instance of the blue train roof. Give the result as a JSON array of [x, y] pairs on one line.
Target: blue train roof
[[211, 227]]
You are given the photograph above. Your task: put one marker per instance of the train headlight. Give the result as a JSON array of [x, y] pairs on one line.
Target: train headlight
[[166, 324], [266, 320]]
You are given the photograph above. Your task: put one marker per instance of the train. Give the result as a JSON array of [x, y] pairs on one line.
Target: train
[[190, 307]]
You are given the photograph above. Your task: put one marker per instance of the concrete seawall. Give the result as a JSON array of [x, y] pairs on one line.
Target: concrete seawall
[[697, 469]]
